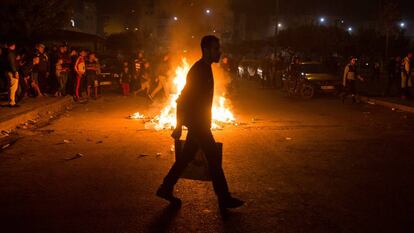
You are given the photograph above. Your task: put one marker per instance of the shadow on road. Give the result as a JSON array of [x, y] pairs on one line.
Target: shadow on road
[[162, 222]]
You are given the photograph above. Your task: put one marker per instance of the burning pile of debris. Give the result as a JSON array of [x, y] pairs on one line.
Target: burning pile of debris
[[166, 119]]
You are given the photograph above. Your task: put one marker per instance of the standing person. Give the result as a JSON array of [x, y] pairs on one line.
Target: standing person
[[376, 72], [349, 80], [162, 78], [92, 72], [405, 75], [43, 68], [146, 80], [71, 86], [61, 77], [12, 73], [139, 62], [65, 72], [126, 78], [30, 76], [195, 103], [394, 73], [80, 69]]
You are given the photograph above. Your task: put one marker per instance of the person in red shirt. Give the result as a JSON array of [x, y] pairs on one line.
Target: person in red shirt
[[80, 69]]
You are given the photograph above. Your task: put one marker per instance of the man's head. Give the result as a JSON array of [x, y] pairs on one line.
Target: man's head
[[36, 60], [92, 56], [11, 46], [353, 60], [83, 53], [40, 48], [210, 47], [296, 60], [140, 54], [63, 48]]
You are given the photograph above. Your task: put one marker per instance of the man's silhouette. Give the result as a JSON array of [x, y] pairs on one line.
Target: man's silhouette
[[194, 111]]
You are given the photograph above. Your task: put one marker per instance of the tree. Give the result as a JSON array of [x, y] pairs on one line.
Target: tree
[[25, 19], [389, 16]]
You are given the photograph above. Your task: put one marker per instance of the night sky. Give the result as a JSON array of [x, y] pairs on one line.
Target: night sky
[[351, 9]]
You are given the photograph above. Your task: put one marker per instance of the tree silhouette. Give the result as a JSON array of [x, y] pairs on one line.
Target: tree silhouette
[[389, 16], [24, 19]]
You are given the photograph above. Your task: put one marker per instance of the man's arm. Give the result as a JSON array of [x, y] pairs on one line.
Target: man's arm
[[345, 75]]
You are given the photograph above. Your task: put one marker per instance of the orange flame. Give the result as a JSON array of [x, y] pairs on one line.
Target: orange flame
[[166, 119]]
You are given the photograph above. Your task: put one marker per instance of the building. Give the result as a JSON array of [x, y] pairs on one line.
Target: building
[[84, 18]]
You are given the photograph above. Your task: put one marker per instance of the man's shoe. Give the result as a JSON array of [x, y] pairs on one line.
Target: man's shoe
[[167, 194], [230, 203]]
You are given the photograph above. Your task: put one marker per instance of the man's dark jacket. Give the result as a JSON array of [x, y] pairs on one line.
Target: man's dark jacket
[[195, 102]]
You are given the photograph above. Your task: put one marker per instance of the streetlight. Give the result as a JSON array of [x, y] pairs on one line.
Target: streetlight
[[402, 25], [175, 18], [279, 25], [322, 19], [350, 29], [208, 11]]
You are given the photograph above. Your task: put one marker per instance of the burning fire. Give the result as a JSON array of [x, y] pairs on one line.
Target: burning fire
[[166, 119]]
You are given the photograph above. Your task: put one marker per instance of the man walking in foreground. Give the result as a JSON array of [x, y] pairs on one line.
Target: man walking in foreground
[[194, 111]]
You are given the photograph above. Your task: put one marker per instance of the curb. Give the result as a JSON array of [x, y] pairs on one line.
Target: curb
[[57, 106], [387, 104]]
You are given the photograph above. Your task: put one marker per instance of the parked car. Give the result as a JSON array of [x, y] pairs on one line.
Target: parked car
[[250, 69], [110, 69], [314, 77]]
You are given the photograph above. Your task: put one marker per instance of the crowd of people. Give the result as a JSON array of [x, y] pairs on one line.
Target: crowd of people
[[399, 77], [58, 73], [67, 71]]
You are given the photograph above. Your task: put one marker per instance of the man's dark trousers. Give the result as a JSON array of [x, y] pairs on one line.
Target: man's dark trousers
[[200, 138]]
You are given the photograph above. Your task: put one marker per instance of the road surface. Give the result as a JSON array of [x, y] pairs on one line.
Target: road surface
[[301, 166]]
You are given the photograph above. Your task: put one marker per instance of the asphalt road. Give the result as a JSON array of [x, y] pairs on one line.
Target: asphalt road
[[301, 166]]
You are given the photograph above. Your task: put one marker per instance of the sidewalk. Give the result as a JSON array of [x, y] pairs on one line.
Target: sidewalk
[[31, 109], [372, 93]]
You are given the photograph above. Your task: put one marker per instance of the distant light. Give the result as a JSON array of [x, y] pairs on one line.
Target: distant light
[[72, 22], [136, 29], [322, 20], [342, 21], [214, 30], [279, 25], [127, 28], [192, 37], [208, 11], [402, 25], [175, 18], [350, 29]]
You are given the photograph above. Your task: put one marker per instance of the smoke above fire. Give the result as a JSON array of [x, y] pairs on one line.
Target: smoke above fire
[[188, 22]]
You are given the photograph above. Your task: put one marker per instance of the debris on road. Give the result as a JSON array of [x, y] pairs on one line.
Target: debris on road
[[77, 156], [142, 155], [158, 155], [288, 139], [5, 146], [99, 142]]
